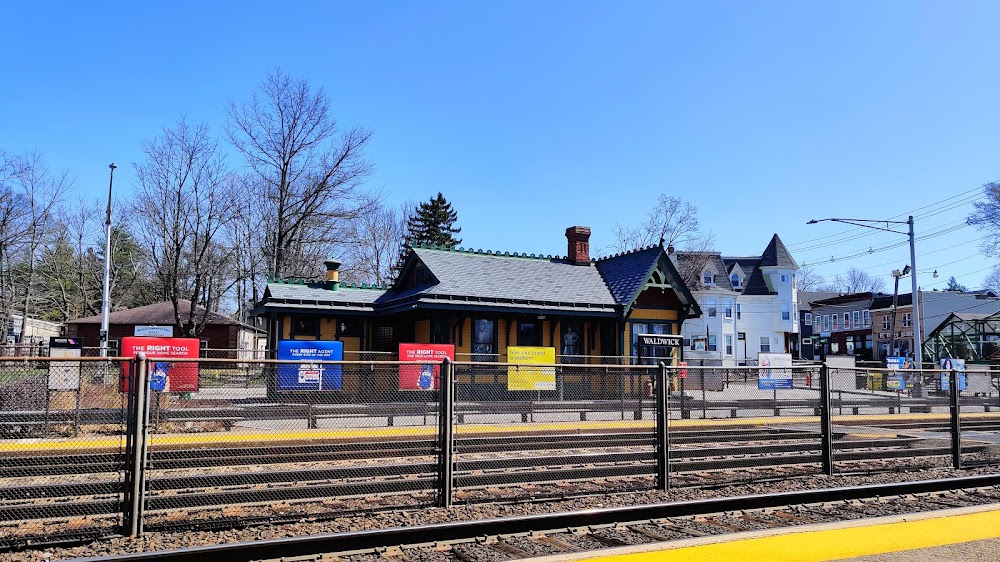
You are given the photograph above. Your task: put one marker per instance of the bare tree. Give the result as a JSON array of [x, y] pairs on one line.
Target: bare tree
[[376, 245], [243, 235], [310, 179], [182, 204], [672, 222], [986, 216], [992, 280], [858, 281], [41, 192], [808, 280]]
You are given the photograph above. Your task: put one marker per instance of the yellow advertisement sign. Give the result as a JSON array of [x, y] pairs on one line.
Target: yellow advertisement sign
[[527, 377]]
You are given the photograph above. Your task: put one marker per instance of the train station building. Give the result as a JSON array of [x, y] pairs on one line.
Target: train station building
[[482, 302]]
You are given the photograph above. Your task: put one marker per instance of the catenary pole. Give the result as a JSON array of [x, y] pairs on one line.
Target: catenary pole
[[106, 291]]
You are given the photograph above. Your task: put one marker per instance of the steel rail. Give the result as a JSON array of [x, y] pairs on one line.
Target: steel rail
[[287, 548]]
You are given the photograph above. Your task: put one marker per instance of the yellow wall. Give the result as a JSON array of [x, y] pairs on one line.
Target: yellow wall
[[652, 314], [327, 329]]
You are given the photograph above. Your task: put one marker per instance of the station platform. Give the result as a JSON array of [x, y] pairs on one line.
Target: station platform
[[939, 536]]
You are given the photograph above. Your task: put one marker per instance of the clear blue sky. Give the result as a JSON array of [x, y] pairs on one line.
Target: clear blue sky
[[534, 116]]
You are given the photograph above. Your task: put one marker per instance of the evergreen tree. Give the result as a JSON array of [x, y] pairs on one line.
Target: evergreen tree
[[955, 286], [433, 223]]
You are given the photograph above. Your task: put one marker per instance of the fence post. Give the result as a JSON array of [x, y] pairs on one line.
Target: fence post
[[446, 409], [662, 428], [826, 418], [956, 426], [136, 458]]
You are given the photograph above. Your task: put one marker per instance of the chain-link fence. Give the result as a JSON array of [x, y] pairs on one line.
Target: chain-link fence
[[293, 440], [744, 424], [61, 449], [231, 441], [889, 420], [979, 414], [528, 431]]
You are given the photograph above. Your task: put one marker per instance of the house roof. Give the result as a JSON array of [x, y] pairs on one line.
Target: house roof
[[806, 298], [692, 264], [624, 274], [777, 255], [159, 313], [490, 280], [483, 276], [885, 301]]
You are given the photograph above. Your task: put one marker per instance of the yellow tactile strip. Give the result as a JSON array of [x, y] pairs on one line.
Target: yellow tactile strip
[[818, 543]]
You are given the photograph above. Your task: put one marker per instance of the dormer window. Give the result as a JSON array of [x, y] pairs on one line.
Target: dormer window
[[735, 278], [708, 278]]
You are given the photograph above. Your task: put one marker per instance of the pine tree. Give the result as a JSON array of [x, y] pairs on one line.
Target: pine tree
[[433, 224]]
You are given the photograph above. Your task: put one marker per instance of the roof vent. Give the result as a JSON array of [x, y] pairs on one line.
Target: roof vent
[[332, 274]]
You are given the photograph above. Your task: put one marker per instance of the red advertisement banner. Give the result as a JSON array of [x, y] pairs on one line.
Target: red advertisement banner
[[426, 375], [180, 377]]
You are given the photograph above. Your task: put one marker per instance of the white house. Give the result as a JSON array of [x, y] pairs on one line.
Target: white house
[[749, 304]]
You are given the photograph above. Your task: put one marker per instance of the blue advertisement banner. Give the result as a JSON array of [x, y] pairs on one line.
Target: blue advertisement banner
[[307, 375]]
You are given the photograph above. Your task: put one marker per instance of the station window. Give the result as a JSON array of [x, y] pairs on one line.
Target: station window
[[907, 318], [440, 330], [307, 326], [886, 321], [349, 327], [484, 346]]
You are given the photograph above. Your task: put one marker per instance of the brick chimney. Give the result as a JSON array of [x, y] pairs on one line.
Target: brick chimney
[[332, 274], [578, 244]]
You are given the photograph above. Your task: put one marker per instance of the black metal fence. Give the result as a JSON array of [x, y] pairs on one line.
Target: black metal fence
[[95, 446]]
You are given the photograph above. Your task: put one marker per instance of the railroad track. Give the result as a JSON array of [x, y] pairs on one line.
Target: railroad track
[[323, 480], [515, 538]]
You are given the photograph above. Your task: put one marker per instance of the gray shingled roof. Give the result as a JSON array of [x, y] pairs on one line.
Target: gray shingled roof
[[692, 264], [625, 273], [777, 255], [318, 293], [484, 276]]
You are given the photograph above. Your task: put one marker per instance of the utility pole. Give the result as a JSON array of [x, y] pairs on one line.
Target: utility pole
[[106, 295]]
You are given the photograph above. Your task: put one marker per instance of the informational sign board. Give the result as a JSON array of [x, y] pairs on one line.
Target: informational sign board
[[531, 377], [660, 340], [683, 373], [426, 374], [777, 371], [948, 364], [64, 375], [177, 377], [308, 374], [154, 331], [897, 382]]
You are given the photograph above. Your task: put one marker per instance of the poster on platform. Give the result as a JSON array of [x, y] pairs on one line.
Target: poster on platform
[[307, 373], [426, 373], [529, 376], [64, 375], [776, 372], [173, 377], [958, 365]]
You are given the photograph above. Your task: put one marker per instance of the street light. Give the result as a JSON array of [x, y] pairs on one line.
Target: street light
[[896, 274], [918, 342], [106, 295]]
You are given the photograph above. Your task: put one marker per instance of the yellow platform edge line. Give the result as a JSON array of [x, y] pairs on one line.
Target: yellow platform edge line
[[264, 437], [803, 545]]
